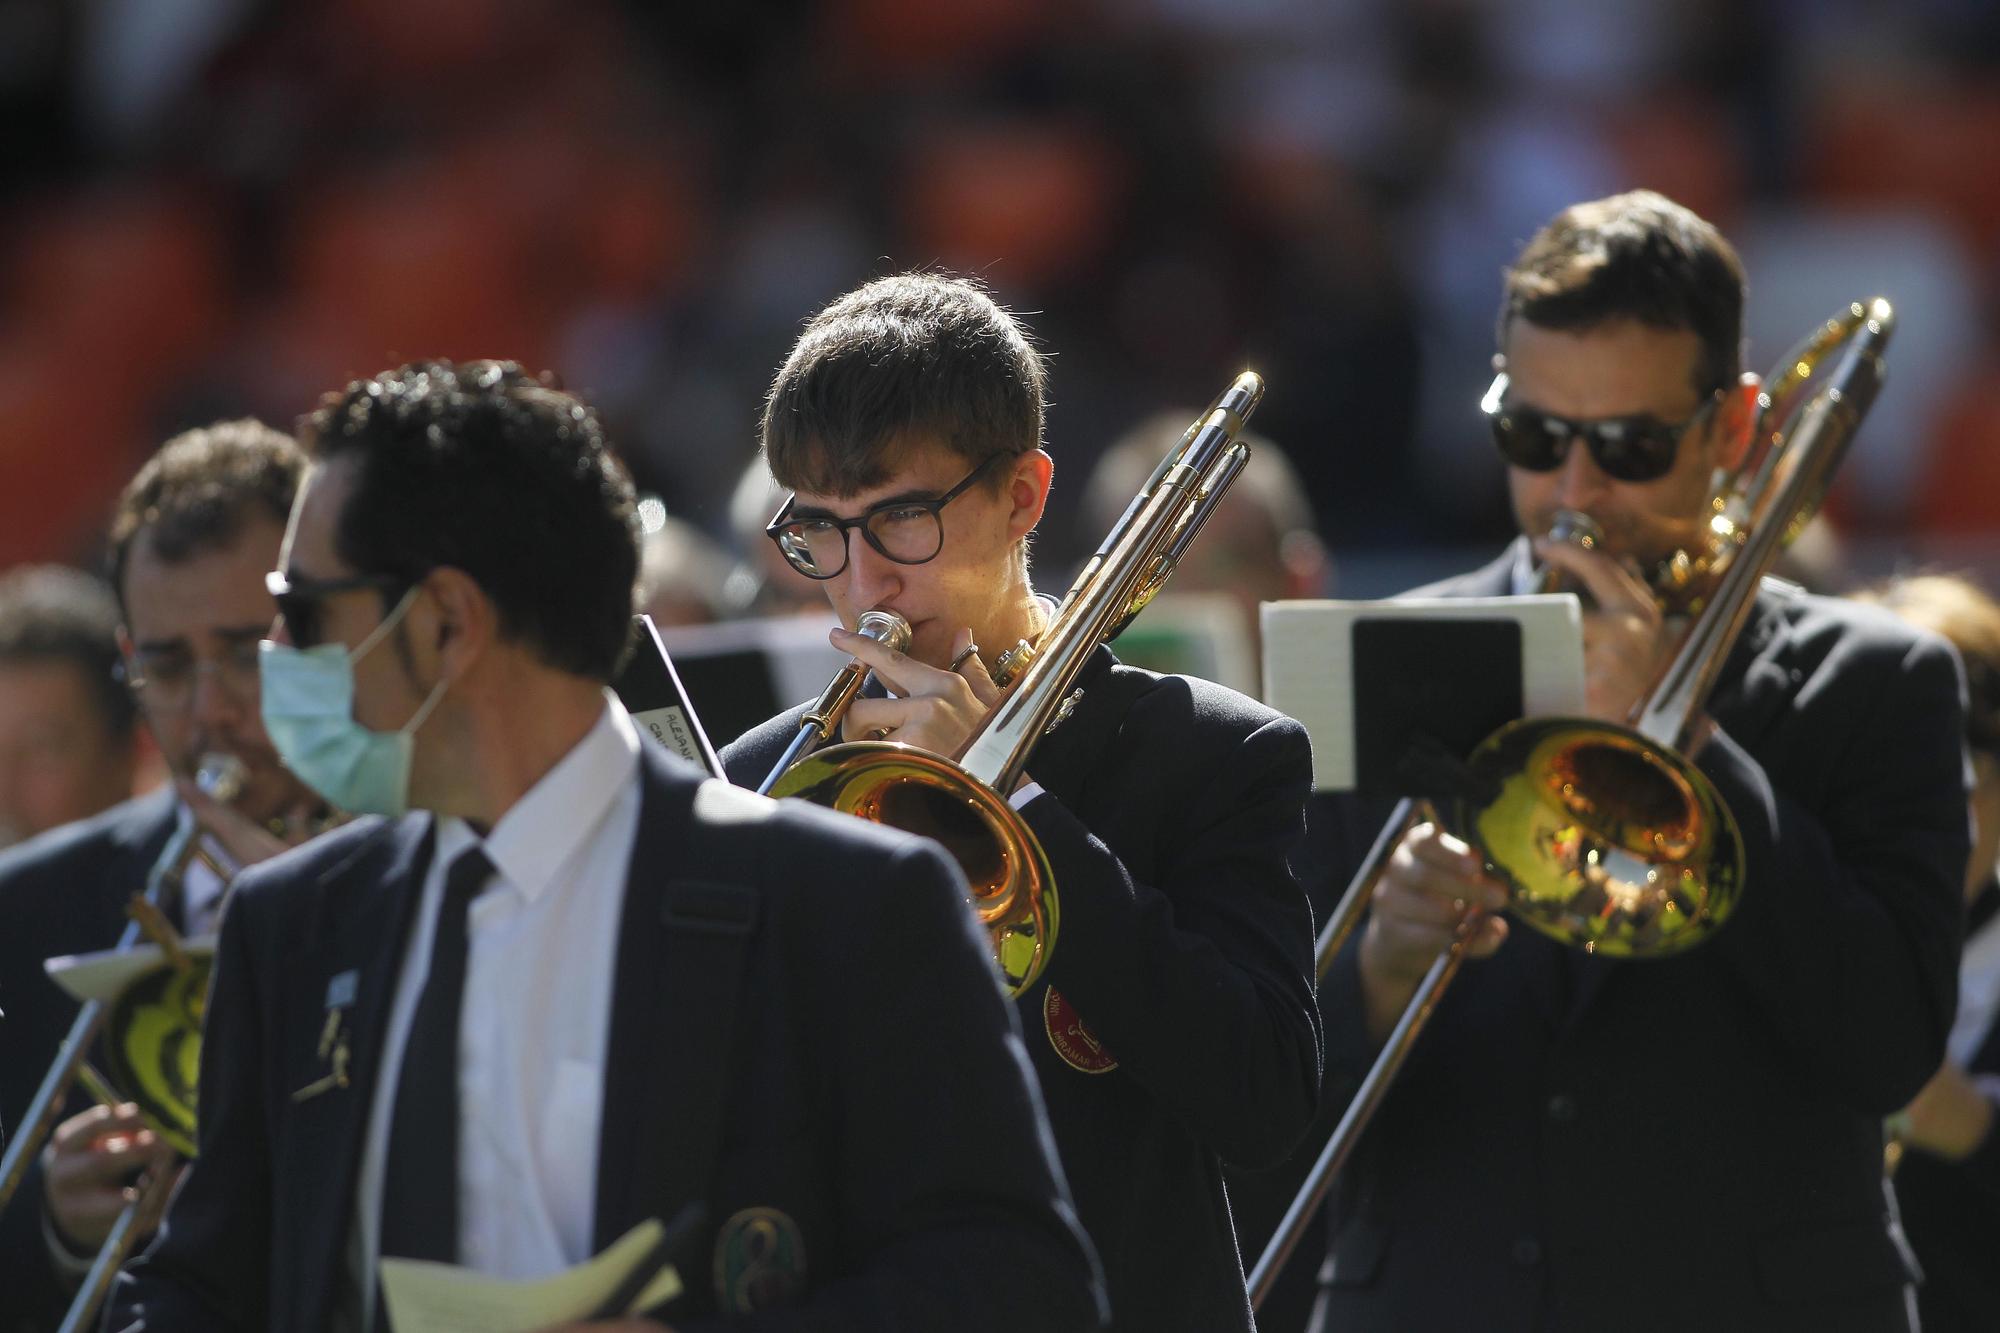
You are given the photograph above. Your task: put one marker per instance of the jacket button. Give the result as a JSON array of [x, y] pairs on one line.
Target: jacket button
[[1562, 1108], [1527, 1251]]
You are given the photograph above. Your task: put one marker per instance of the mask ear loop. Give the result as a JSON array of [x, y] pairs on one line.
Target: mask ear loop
[[376, 635], [381, 631], [435, 697]]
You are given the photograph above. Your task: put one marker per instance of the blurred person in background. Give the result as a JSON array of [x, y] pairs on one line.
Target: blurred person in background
[[1260, 545], [683, 575], [191, 539], [765, 584], [1946, 1155], [1174, 1028], [69, 733], [1692, 1141]]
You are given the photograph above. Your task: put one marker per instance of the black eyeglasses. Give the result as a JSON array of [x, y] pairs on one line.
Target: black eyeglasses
[[299, 599], [909, 532], [1631, 448]]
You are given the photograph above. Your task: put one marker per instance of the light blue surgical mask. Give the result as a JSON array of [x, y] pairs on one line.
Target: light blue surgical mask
[[308, 706]]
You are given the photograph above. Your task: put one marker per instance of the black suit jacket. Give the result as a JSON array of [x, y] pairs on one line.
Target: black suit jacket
[[1692, 1142], [1952, 1209], [61, 893], [826, 975], [1171, 806]]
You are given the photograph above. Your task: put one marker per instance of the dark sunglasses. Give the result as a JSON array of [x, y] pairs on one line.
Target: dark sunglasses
[[1633, 448], [299, 599], [909, 532]]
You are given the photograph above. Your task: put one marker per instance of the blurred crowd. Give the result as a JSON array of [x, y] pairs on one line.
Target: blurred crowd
[[219, 207]]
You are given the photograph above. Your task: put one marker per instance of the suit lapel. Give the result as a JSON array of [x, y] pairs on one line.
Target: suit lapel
[[690, 904], [1066, 757], [360, 919]]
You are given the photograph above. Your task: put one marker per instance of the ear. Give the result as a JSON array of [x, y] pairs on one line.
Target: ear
[[460, 623], [1735, 419], [1028, 492]]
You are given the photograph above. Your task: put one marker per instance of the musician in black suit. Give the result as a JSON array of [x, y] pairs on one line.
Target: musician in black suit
[[1694, 1141], [1945, 1155], [579, 989], [191, 539], [1174, 1029]]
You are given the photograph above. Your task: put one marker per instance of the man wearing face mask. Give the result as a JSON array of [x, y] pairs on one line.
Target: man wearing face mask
[[190, 541], [1692, 1141], [564, 985]]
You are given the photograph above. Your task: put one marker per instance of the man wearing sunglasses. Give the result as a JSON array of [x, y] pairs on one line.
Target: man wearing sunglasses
[[1690, 1142], [1174, 1029], [551, 983], [190, 539]]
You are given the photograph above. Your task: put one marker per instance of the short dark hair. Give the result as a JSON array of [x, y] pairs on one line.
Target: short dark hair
[[199, 490], [1637, 256], [54, 614], [919, 352], [498, 473]]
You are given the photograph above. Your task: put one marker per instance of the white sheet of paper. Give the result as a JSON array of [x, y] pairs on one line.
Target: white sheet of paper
[[426, 1297], [106, 973], [1309, 662]]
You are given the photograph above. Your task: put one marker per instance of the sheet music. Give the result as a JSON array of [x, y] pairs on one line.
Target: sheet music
[[1309, 662], [425, 1297]]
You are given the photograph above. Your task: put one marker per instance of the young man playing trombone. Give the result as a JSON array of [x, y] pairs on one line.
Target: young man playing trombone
[[1694, 1141], [1174, 1028]]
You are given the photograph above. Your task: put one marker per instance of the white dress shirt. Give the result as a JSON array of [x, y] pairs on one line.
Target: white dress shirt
[[541, 944], [202, 890]]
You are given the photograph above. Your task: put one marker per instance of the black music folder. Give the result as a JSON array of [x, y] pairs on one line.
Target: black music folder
[[651, 691], [1378, 684]]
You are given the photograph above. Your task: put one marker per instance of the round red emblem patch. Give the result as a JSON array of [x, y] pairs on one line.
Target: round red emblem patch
[[1072, 1038]]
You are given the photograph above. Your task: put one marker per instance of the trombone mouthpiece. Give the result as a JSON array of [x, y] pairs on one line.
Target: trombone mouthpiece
[[886, 628], [1575, 528], [221, 776]]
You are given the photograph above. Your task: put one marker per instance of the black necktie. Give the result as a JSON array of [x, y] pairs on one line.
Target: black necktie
[[420, 1186]]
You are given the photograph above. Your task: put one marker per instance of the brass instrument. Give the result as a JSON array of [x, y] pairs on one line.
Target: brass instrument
[[822, 719], [962, 801], [1606, 836], [152, 1041]]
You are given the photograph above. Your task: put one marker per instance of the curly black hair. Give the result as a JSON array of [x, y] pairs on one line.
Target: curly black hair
[[487, 469]]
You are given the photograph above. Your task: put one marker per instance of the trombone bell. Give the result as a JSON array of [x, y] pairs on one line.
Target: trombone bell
[[1012, 890], [1609, 843]]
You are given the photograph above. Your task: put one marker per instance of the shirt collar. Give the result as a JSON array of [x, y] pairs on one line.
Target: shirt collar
[[1525, 578], [560, 813]]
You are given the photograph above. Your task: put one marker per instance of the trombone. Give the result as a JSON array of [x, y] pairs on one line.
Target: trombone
[[961, 801], [152, 1033], [1607, 837]]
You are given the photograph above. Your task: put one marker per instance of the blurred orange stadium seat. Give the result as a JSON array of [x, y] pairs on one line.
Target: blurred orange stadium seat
[[68, 444], [1685, 148], [1029, 202], [1879, 143], [1959, 492]]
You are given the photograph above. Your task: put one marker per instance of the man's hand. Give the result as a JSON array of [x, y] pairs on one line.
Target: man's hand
[[87, 1168], [1951, 1116], [1625, 638], [1433, 888], [246, 840], [939, 708]]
